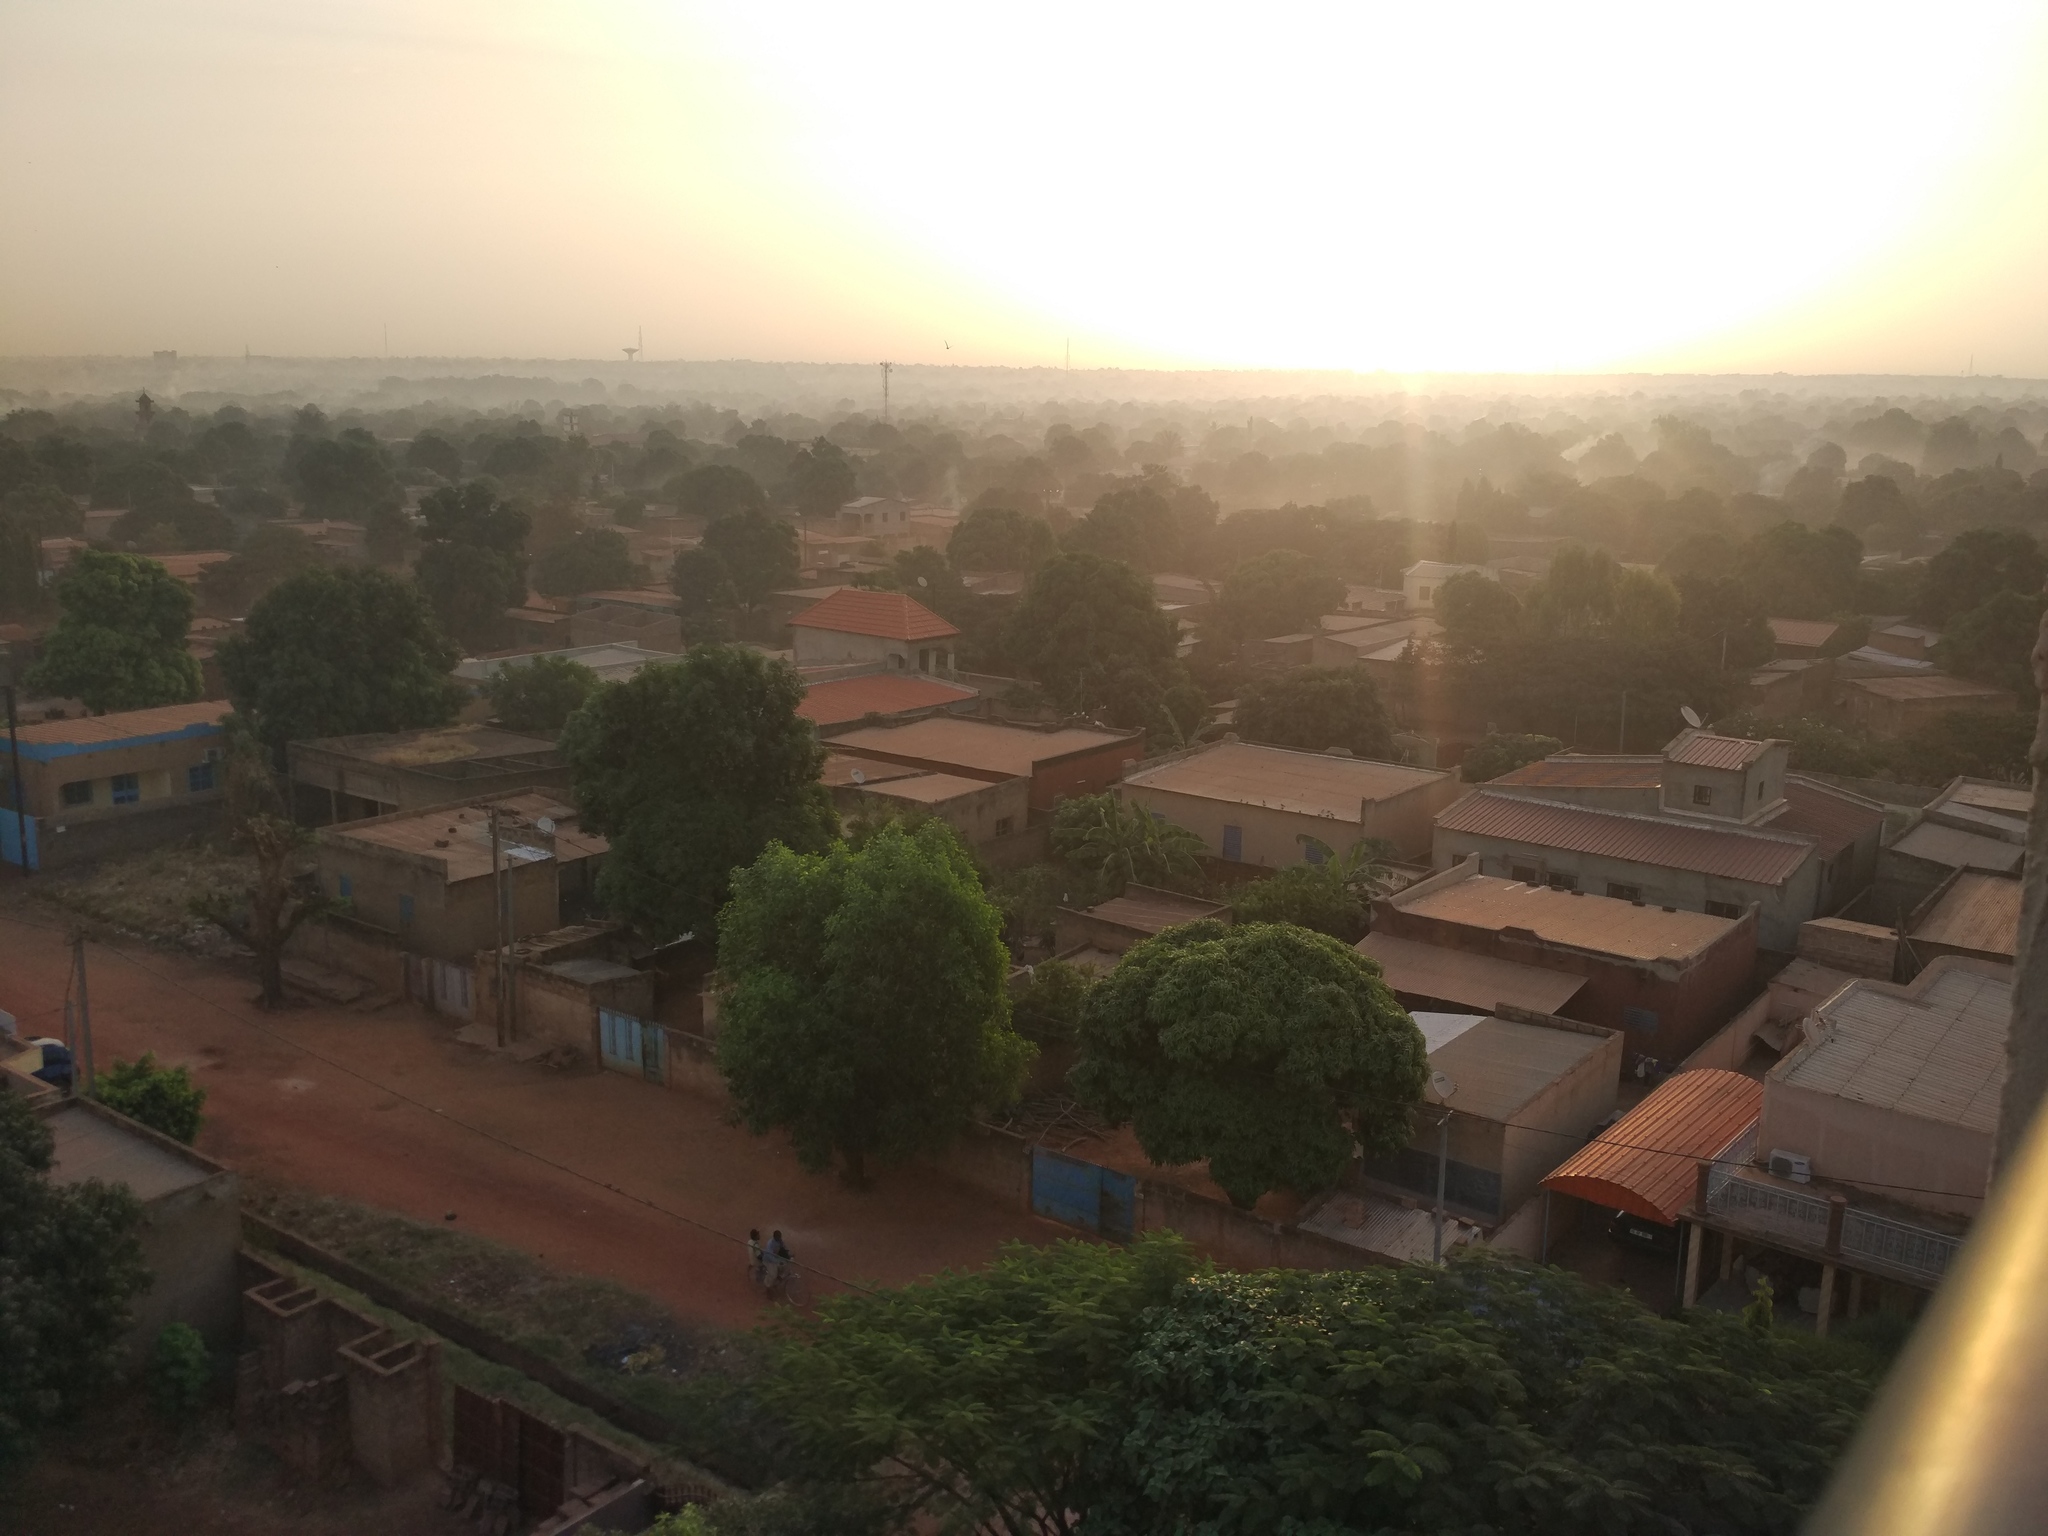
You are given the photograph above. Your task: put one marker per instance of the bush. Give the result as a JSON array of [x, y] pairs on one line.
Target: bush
[[163, 1098], [1307, 895], [180, 1371], [1499, 753], [1047, 1009]]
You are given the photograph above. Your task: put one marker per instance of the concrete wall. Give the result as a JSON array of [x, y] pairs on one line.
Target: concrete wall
[[189, 1239], [1782, 908], [106, 833], [833, 648], [1274, 839], [1728, 1046], [1737, 794], [974, 814], [1887, 719], [1557, 1122], [355, 948], [450, 921], [160, 770], [318, 773], [1895, 1156]]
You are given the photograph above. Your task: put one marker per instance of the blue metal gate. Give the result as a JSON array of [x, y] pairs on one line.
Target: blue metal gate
[[627, 1044], [1086, 1195]]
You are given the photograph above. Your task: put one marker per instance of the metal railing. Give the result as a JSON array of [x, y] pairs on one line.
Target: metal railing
[[1900, 1249], [1898, 1245]]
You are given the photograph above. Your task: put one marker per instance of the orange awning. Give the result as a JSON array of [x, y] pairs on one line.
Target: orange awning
[[1647, 1163]]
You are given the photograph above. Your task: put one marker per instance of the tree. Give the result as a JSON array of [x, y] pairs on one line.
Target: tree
[[340, 651], [1480, 616], [1308, 896], [984, 1400], [163, 1098], [699, 579], [835, 1029], [21, 566], [269, 556], [1798, 572], [1118, 843], [69, 1265], [181, 524], [1498, 753], [1316, 708], [1976, 565], [344, 476], [541, 694], [713, 491], [1993, 642], [43, 508], [820, 479], [1817, 746], [1280, 592], [1266, 1049], [1081, 619], [1046, 1010], [758, 552], [587, 561], [1973, 742], [433, 452], [1492, 1396], [469, 588], [1001, 539], [120, 636], [1135, 524], [475, 514], [691, 768]]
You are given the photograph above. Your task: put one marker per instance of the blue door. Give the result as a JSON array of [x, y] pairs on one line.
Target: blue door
[[1083, 1195], [627, 1044], [1233, 843]]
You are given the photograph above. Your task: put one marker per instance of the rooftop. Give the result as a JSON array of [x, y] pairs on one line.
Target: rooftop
[[1431, 570], [449, 751], [1147, 909], [1927, 685], [1415, 969], [1588, 771], [1278, 778], [1600, 924], [1647, 1162], [840, 771], [2010, 799], [878, 693], [1703, 749], [614, 661], [884, 615], [1814, 633], [1834, 818], [458, 838], [992, 747], [91, 1143], [1957, 849], [1498, 1065], [62, 738], [925, 788], [1934, 1049], [1871, 656], [1732, 853], [1977, 912]]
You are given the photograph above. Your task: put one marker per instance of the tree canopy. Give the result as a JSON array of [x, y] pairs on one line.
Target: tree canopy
[[833, 1027], [69, 1265], [1280, 592], [712, 491], [692, 768], [163, 1098], [820, 479], [472, 568], [1332, 893], [1977, 565], [1316, 708], [757, 552], [1264, 1048], [1083, 618], [120, 636], [1001, 539], [1499, 752], [1994, 642], [589, 560], [268, 556], [344, 476], [541, 694], [340, 651], [1118, 844]]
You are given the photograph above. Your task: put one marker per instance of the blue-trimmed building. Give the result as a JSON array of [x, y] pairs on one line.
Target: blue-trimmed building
[[110, 784]]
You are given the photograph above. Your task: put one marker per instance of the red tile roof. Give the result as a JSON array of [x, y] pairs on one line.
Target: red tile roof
[[1588, 771], [1832, 817], [880, 693], [1647, 1163], [1703, 749], [1733, 853], [885, 615]]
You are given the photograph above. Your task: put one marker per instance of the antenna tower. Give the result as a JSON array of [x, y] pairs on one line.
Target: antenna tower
[[885, 389]]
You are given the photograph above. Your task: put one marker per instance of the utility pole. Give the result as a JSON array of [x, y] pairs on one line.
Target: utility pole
[[14, 778], [1443, 1086], [84, 1015], [498, 923], [886, 367], [1621, 745]]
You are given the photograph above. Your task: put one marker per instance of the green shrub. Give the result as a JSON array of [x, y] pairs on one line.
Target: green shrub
[[180, 1370], [163, 1098]]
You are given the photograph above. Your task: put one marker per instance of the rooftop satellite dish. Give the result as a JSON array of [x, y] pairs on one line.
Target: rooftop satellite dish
[[922, 582], [860, 776], [1441, 1085], [545, 826], [1691, 716]]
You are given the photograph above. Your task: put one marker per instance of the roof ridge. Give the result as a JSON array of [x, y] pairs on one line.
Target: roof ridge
[[1791, 839]]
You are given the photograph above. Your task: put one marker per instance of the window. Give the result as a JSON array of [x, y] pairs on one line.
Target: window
[[1004, 825], [1723, 909], [1625, 892], [1562, 882], [924, 661], [199, 777], [1528, 874], [78, 792], [1702, 795], [127, 788], [347, 886], [1233, 843], [405, 911], [1639, 1020]]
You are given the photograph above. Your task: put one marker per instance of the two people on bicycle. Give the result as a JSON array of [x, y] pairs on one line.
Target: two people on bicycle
[[769, 1263]]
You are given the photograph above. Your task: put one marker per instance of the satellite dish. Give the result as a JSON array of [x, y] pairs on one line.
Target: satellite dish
[[1441, 1085], [545, 826], [922, 582], [1691, 716], [860, 776]]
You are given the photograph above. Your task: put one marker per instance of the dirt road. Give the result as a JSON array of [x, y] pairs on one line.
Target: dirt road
[[588, 1169]]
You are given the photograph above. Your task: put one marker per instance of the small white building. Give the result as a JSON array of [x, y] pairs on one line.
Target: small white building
[[1421, 581]]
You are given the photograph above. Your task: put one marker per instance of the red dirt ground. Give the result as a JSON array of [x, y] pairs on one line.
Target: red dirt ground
[[587, 1169]]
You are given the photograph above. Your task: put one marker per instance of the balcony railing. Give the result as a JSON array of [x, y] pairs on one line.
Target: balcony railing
[[1883, 1245]]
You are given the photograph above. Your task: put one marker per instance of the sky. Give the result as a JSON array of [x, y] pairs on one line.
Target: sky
[[1807, 188]]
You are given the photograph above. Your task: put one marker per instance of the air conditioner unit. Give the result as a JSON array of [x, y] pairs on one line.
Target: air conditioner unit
[[1790, 1165]]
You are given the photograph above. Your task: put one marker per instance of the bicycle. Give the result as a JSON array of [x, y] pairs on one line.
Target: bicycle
[[786, 1279]]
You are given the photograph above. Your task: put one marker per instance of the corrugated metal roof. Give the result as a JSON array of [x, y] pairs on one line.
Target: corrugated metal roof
[[1979, 912], [885, 615], [1416, 969], [1958, 850], [1311, 783], [1149, 910], [1383, 1226], [1729, 852], [2014, 799], [1934, 1050], [1647, 1163], [1499, 1065], [1834, 818], [1012, 750], [879, 693], [1930, 685], [1703, 749], [1589, 771], [1813, 633], [1603, 924]]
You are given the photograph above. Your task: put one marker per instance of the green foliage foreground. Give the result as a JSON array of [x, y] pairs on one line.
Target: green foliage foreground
[[1113, 1391], [163, 1098]]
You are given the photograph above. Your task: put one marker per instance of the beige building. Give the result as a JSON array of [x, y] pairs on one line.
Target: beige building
[[980, 811], [1890, 707], [1421, 582], [1272, 806], [856, 627], [345, 778]]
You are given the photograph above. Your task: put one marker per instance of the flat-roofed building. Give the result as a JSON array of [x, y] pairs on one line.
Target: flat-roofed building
[[1060, 761], [346, 778], [1663, 978], [1273, 806], [886, 629], [1971, 824], [646, 629], [1616, 782], [842, 701], [1527, 1093], [1802, 639], [108, 784], [1111, 927], [1890, 707], [1971, 914], [1421, 582], [613, 663], [981, 811]]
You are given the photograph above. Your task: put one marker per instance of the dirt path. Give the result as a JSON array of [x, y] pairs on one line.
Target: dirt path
[[588, 1169]]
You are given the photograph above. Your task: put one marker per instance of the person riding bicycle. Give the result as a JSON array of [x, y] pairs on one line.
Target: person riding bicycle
[[776, 1258]]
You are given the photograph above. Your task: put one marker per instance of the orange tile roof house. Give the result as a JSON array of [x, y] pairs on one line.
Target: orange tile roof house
[[113, 783], [888, 629]]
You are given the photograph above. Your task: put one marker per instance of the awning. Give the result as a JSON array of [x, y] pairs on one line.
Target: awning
[[1647, 1163], [1418, 970]]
